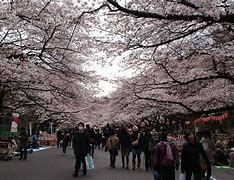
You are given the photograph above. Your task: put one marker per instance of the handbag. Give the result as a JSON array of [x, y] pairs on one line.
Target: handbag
[[202, 164], [89, 162]]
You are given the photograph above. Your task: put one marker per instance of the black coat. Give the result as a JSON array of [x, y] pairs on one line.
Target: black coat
[[125, 140], [23, 139], [147, 138], [81, 143], [137, 136], [190, 156], [66, 140]]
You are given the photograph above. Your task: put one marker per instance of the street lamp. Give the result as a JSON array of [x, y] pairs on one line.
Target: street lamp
[[51, 127], [30, 127]]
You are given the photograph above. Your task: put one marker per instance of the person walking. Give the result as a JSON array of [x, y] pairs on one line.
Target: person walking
[[66, 141], [208, 145], [136, 147], [152, 145], [192, 152], [98, 139], [166, 159], [81, 146], [112, 145], [125, 140], [92, 138], [147, 138], [59, 137], [23, 143]]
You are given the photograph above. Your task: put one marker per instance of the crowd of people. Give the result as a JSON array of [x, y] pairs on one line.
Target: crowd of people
[[162, 156], [156, 147]]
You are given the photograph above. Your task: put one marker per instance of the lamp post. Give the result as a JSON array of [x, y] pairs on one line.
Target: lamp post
[[30, 127], [51, 127]]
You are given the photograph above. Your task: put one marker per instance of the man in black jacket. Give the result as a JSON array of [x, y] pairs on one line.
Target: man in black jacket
[[81, 146], [23, 143]]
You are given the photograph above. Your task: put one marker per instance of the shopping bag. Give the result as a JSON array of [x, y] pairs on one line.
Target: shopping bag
[[89, 162], [182, 176]]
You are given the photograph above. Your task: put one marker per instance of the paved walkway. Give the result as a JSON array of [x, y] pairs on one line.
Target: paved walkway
[[51, 164]]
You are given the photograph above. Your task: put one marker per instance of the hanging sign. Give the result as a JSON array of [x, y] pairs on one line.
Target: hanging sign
[[15, 122]]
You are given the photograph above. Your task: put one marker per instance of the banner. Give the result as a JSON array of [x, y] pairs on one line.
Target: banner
[[15, 122]]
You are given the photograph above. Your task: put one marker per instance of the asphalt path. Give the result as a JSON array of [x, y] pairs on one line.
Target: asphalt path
[[52, 164]]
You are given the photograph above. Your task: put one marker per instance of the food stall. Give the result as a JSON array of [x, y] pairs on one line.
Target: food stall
[[47, 139]]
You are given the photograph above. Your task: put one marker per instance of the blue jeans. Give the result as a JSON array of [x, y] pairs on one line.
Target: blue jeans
[[156, 175], [136, 151]]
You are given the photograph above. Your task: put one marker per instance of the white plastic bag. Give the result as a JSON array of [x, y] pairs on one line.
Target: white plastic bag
[[182, 176], [89, 162]]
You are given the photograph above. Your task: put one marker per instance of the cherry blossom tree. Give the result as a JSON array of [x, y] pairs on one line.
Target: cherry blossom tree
[[43, 50], [182, 51]]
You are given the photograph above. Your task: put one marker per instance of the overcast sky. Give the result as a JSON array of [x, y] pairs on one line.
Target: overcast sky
[[110, 71]]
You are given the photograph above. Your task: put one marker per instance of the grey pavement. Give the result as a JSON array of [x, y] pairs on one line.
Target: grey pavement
[[51, 164]]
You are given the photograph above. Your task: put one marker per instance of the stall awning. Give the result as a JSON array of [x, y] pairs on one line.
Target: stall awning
[[213, 118]]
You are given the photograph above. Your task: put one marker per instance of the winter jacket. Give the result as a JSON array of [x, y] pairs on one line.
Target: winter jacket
[[125, 141], [152, 147], [112, 142], [81, 142], [190, 155], [137, 136], [160, 155], [23, 139], [66, 140], [147, 138]]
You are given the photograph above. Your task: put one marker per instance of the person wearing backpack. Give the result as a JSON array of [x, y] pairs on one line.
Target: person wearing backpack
[[166, 159]]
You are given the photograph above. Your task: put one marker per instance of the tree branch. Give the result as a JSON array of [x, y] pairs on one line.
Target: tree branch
[[229, 18], [169, 102]]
